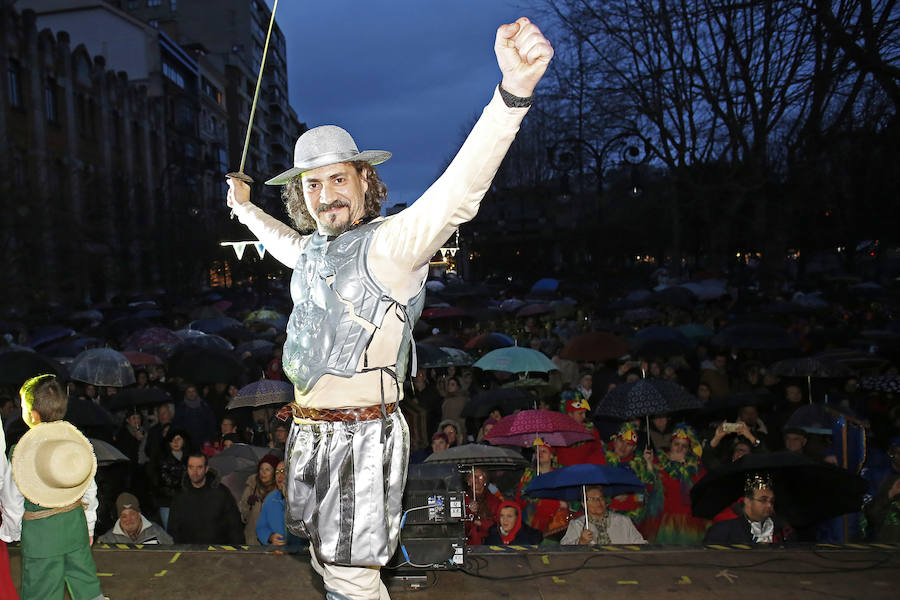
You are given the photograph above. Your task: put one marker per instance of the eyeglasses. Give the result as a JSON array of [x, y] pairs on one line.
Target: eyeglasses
[[279, 470]]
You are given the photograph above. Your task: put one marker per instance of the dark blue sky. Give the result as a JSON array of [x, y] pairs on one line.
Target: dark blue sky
[[408, 76]]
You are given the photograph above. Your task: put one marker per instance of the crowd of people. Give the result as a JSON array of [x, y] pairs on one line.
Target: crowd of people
[[166, 491]]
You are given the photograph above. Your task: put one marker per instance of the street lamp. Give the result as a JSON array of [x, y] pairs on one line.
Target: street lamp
[[565, 156]]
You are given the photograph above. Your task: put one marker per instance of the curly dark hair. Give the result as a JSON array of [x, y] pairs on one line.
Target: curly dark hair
[[295, 205]]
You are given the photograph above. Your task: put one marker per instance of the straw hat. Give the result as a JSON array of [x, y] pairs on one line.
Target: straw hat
[[53, 464]]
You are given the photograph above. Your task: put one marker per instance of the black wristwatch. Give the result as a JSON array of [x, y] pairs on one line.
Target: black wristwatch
[[514, 101]]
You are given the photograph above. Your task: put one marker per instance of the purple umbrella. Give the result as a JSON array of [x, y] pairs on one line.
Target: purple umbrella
[[153, 340]]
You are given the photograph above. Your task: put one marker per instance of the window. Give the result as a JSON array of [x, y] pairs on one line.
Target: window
[[154, 23], [14, 83], [173, 5], [133, 4], [154, 3], [173, 75], [51, 101]]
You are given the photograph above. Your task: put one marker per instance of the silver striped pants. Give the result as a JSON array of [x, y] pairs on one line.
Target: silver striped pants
[[345, 487]]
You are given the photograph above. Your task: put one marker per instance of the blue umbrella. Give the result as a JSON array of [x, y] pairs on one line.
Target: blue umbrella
[[570, 483], [214, 324], [546, 284], [516, 359], [50, 333]]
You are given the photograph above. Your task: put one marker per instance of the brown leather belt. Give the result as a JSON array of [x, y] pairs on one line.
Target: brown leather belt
[[366, 413]]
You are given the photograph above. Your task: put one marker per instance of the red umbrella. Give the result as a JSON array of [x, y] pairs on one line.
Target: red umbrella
[[521, 429], [594, 346], [142, 359]]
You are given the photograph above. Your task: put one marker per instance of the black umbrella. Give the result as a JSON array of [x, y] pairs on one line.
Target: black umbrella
[[810, 366], [134, 397], [881, 383], [480, 455], [754, 336], [732, 402], [806, 491], [18, 366], [87, 415], [508, 400], [429, 356], [197, 364], [645, 397]]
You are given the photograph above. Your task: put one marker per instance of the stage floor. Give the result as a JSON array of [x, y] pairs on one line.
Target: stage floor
[[859, 571]]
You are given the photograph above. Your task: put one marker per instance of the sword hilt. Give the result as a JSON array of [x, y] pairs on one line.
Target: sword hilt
[[240, 176]]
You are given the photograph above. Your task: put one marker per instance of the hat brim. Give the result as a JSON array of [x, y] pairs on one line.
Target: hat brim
[[373, 157], [24, 469]]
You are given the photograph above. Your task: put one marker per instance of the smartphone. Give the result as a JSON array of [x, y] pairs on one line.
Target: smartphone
[[730, 427]]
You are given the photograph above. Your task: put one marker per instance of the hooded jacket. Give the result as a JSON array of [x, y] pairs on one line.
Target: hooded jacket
[[205, 515], [520, 534]]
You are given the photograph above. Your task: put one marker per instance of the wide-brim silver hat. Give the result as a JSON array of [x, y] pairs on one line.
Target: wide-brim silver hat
[[326, 145]]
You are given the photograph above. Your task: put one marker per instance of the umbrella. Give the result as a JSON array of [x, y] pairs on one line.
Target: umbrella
[[546, 284], [806, 491], [134, 397], [533, 310], [213, 324], [595, 346], [429, 356], [660, 340], [810, 366], [50, 333], [443, 340], [754, 336], [432, 285], [508, 400], [490, 341], [205, 365], [267, 316], [516, 359], [18, 366], [124, 326], [641, 314], [155, 340], [256, 348], [236, 335], [106, 453], [262, 392], [568, 483], [645, 397], [204, 340], [695, 331], [881, 383], [674, 296], [444, 312], [730, 403], [511, 305], [102, 366], [86, 315], [521, 429], [457, 357], [240, 457], [141, 359], [71, 347], [479, 455], [87, 415]]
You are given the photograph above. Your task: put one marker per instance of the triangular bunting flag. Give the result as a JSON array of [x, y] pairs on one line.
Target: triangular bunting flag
[[260, 249], [239, 249]]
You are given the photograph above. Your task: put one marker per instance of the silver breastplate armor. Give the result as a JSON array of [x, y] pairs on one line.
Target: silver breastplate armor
[[330, 280]]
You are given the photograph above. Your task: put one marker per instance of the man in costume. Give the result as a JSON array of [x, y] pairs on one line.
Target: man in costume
[[756, 522], [358, 287]]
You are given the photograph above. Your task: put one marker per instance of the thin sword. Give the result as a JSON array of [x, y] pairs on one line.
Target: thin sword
[[239, 174]]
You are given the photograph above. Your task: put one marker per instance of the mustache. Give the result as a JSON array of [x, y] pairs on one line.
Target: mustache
[[336, 204]]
